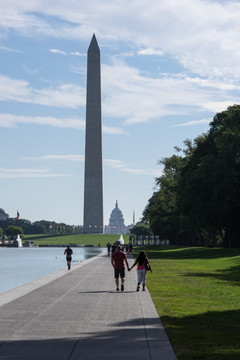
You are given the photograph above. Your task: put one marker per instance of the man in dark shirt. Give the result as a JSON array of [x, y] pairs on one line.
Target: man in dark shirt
[[68, 251], [118, 259]]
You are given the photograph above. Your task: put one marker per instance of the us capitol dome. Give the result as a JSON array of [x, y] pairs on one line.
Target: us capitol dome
[[116, 217], [116, 222], [3, 214]]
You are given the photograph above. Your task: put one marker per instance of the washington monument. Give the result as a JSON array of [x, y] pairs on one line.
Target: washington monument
[[93, 184]]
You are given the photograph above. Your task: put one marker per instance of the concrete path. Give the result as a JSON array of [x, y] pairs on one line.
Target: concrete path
[[78, 314]]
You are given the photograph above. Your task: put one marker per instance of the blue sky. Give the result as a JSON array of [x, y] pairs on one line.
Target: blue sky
[[167, 68]]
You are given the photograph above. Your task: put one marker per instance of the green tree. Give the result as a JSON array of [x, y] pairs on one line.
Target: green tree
[[162, 211], [211, 180], [1, 232], [196, 187], [197, 197], [14, 231], [141, 229]]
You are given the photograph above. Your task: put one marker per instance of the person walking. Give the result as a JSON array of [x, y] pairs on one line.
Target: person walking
[[143, 265], [113, 248], [130, 247], [109, 248], [117, 260], [68, 252]]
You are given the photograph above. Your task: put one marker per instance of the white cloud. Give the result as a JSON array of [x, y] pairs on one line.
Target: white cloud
[[216, 83], [194, 122], [148, 172], [127, 94], [218, 106], [77, 53], [7, 49], [115, 164], [150, 52], [119, 164], [127, 54], [113, 130], [74, 158], [9, 120], [27, 173], [69, 95], [56, 51], [205, 42], [61, 52], [136, 98], [66, 95]]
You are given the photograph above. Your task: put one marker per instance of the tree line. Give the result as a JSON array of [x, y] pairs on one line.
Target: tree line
[[37, 227], [196, 201]]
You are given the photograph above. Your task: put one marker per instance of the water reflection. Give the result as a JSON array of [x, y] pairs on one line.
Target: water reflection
[[21, 265]]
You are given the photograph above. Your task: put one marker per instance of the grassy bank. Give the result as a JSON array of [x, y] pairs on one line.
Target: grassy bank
[[79, 239], [197, 294]]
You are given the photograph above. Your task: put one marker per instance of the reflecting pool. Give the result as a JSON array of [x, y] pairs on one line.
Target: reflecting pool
[[19, 266]]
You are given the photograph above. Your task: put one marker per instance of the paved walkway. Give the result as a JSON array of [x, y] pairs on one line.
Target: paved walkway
[[77, 314]]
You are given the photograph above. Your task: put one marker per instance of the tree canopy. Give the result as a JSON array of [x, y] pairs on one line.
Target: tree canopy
[[14, 231], [39, 227], [197, 197], [140, 229]]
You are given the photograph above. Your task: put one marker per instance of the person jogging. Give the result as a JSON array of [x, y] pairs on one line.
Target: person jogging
[[68, 252]]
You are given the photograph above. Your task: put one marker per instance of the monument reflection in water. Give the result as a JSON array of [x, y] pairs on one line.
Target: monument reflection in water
[[19, 266]]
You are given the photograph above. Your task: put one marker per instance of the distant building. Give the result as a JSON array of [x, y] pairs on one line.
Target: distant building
[[3, 215], [116, 222]]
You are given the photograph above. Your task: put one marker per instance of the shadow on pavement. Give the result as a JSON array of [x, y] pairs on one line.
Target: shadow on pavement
[[124, 340]]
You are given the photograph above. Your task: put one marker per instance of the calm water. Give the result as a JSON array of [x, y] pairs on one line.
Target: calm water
[[19, 266]]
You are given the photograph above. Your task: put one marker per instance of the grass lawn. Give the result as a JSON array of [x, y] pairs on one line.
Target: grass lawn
[[196, 292], [79, 239]]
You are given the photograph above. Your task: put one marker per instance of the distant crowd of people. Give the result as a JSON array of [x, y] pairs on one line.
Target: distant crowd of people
[[112, 248]]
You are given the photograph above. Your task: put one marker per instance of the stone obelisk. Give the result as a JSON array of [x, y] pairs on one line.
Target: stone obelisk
[[93, 185]]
